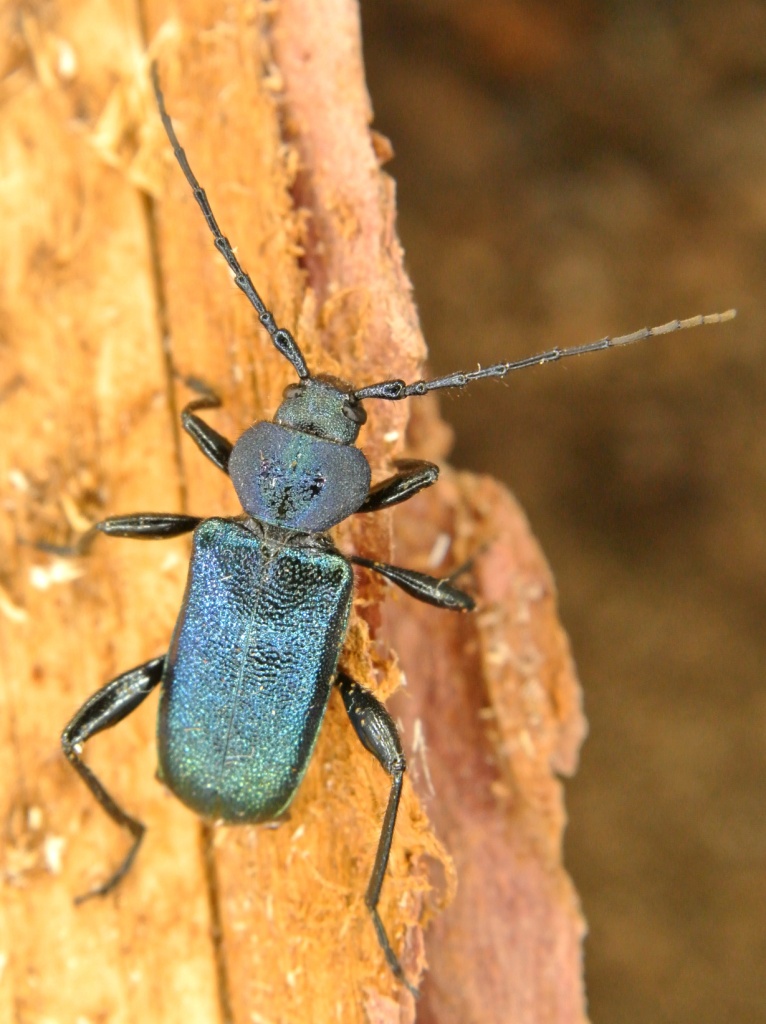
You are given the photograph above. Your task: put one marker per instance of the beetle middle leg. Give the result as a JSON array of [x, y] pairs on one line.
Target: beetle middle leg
[[137, 525], [375, 728], [106, 708], [431, 589]]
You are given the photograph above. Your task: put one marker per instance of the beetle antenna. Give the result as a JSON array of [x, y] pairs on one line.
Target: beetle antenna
[[282, 338], [393, 390]]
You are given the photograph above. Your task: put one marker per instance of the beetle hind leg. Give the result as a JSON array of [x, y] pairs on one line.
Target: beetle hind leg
[[106, 708], [377, 732]]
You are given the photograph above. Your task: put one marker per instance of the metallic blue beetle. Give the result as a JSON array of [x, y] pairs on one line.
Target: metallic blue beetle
[[254, 654]]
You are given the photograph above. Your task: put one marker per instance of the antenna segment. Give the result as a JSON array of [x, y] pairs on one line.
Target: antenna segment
[[393, 390], [283, 340]]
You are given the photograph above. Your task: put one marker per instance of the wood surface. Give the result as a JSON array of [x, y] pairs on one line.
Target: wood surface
[[112, 293]]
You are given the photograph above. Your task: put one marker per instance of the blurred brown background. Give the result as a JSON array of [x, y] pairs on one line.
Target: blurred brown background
[[567, 170]]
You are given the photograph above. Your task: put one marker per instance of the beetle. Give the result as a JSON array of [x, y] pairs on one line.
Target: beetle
[[254, 654]]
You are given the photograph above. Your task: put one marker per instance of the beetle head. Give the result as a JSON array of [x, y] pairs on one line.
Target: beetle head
[[323, 406]]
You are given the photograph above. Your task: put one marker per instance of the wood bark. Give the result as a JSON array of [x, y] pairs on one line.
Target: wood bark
[[112, 294]]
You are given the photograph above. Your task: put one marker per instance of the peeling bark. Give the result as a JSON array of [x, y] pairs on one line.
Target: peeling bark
[[109, 300]]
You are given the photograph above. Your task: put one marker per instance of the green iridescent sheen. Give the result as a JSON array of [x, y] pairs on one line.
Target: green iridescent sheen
[[249, 670]]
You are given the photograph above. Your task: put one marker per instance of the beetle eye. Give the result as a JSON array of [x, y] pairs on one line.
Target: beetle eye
[[353, 411], [293, 390]]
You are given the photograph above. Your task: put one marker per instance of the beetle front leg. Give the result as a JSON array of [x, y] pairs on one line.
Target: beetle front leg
[[413, 475], [106, 708], [375, 728], [213, 445]]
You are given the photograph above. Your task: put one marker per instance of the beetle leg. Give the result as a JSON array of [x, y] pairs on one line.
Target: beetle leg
[[430, 589], [375, 728], [139, 525], [412, 477], [213, 445], [106, 708]]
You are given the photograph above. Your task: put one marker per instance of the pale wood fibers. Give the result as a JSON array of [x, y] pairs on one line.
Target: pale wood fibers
[[112, 293]]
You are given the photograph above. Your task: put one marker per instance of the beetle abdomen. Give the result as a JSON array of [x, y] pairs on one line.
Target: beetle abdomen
[[249, 671]]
